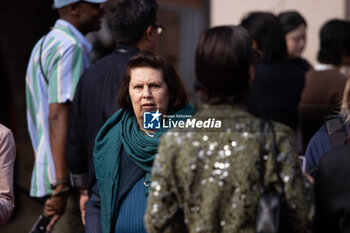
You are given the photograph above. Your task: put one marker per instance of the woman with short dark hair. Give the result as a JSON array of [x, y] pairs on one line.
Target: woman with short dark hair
[[207, 179], [231, 64], [125, 148], [334, 43], [278, 82]]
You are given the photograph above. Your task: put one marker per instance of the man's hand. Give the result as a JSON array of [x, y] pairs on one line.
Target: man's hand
[[52, 223], [84, 197], [55, 206], [58, 121]]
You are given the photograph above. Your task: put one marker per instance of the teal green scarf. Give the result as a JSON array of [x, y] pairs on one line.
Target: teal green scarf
[[121, 131]]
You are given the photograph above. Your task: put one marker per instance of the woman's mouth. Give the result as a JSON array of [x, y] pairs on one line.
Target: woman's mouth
[[148, 107]]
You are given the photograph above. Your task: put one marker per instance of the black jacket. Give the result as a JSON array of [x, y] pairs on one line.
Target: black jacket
[[332, 192], [94, 102], [276, 90]]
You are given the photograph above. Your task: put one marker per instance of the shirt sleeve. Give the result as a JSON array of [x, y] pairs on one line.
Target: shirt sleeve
[[65, 72], [164, 212], [7, 160]]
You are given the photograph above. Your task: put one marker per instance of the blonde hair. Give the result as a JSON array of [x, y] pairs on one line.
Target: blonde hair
[[344, 109]]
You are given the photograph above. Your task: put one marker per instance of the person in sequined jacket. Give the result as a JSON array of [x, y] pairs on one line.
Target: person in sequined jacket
[[206, 179]]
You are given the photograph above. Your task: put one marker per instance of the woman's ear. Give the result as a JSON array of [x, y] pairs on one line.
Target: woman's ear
[[73, 9], [149, 40], [149, 34]]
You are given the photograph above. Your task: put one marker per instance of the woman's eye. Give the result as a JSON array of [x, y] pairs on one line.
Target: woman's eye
[[138, 87], [154, 86]]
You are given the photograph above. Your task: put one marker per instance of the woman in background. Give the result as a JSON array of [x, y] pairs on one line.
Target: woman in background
[[294, 28], [324, 85], [276, 88]]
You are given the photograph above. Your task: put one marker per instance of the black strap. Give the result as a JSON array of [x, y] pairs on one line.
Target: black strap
[[40, 63], [263, 151], [336, 131]]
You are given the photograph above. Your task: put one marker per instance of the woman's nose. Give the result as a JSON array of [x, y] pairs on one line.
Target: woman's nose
[[146, 93]]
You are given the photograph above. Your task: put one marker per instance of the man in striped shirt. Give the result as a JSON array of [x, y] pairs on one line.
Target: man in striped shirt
[[55, 66]]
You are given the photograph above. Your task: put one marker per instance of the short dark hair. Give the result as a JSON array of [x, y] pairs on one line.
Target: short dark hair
[[290, 20], [334, 41], [223, 58], [266, 30], [177, 91], [129, 19]]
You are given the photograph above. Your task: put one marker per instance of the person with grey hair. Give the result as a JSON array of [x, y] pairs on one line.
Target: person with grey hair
[[57, 61]]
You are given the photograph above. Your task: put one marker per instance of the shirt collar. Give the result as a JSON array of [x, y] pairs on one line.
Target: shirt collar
[[123, 48], [323, 67], [81, 38]]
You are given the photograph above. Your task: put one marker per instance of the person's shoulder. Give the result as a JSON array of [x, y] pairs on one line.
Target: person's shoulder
[[279, 127], [99, 67], [336, 160], [61, 37], [343, 151], [291, 67], [320, 136], [285, 67], [6, 136], [104, 61], [303, 63], [114, 59], [329, 73], [4, 132]]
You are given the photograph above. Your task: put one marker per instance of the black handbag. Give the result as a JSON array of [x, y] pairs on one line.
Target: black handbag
[[271, 212]]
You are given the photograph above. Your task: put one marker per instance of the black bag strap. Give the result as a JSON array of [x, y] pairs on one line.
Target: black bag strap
[[263, 152], [336, 131], [40, 62]]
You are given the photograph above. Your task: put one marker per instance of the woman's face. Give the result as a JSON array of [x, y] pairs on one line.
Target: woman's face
[[296, 41], [148, 91]]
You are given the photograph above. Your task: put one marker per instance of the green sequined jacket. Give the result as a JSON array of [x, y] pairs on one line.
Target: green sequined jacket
[[207, 180]]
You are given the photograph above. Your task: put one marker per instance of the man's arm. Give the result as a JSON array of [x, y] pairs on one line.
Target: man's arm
[[58, 124]]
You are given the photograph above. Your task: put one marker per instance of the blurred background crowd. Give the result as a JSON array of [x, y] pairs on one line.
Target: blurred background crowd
[[184, 20]]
